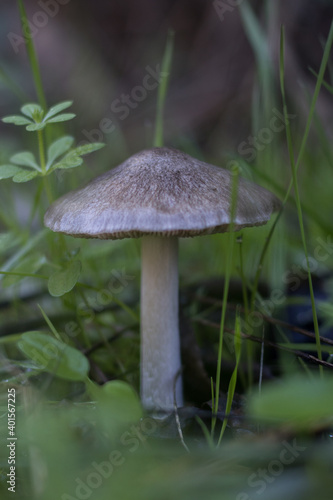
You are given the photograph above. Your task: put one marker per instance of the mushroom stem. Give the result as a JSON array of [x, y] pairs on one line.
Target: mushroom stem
[[160, 345]]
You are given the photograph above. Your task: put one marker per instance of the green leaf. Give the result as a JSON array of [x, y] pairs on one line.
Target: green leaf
[[69, 161], [30, 265], [87, 148], [54, 356], [295, 401], [123, 399], [117, 398], [7, 171], [61, 118], [58, 148], [25, 158], [64, 281], [34, 111], [57, 108], [16, 120], [25, 176], [73, 158], [36, 126]]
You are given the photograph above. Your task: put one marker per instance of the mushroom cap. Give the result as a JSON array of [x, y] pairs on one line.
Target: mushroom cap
[[159, 191]]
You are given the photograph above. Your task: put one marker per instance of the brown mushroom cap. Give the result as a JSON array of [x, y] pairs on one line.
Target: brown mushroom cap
[[159, 191]]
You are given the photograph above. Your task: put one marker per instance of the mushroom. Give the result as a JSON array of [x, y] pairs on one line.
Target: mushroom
[[159, 195]]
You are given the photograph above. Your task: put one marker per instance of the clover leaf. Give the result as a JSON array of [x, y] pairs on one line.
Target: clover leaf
[[60, 154], [36, 119]]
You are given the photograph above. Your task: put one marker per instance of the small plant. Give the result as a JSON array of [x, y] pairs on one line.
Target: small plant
[[23, 166]]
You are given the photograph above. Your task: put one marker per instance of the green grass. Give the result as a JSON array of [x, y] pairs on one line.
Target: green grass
[[228, 267], [162, 89], [33, 59]]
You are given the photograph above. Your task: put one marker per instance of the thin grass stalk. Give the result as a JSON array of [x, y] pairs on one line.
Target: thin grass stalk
[[298, 201], [319, 83], [32, 55], [233, 379], [162, 89], [231, 244]]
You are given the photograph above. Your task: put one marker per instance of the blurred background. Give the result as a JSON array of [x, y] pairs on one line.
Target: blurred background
[[97, 52]]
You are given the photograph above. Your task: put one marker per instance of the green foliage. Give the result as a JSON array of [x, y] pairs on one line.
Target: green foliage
[[231, 244], [24, 176], [64, 281], [55, 357], [27, 265], [294, 167], [116, 398], [73, 158], [163, 88], [125, 400], [7, 241], [33, 59], [7, 171], [58, 148], [35, 119], [298, 402], [26, 159], [233, 379]]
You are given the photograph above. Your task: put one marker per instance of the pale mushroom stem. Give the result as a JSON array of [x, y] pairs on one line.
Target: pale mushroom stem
[[160, 345]]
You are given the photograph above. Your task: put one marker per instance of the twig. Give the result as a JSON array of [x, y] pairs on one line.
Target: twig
[[268, 343], [179, 428], [269, 319]]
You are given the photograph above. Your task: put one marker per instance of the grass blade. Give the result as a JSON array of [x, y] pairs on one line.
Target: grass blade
[[233, 379], [297, 198], [162, 89], [231, 244], [50, 324], [319, 83], [32, 55]]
